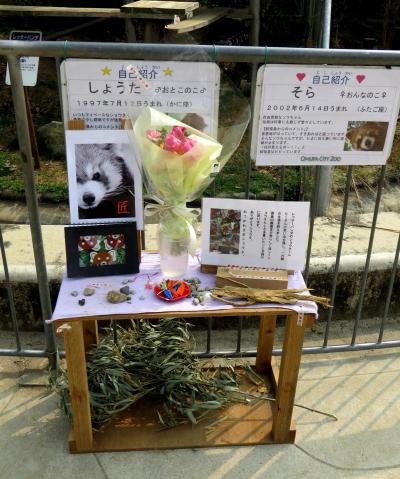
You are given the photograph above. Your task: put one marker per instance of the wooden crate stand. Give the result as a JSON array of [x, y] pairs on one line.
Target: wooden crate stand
[[264, 423]]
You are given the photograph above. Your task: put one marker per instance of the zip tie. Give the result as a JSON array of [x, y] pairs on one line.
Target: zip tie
[[65, 49], [214, 54]]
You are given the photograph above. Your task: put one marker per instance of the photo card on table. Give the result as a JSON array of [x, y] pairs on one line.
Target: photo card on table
[[263, 234], [101, 250], [105, 184]]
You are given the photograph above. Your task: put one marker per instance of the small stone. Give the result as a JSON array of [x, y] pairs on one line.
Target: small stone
[[130, 280], [141, 297], [88, 292], [129, 302], [74, 293], [124, 290], [196, 301], [128, 298], [125, 281], [82, 302], [132, 291], [207, 297], [116, 297]]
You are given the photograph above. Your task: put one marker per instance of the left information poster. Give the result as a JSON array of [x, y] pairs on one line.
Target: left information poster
[[102, 92]]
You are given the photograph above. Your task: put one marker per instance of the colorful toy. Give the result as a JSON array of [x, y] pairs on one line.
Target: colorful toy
[[172, 290]]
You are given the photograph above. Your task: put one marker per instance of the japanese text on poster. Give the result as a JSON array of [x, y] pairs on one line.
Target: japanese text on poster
[[29, 65], [103, 92], [266, 234], [325, 115]]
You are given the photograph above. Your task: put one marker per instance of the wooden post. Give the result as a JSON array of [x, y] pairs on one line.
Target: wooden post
[[153, 32], [266, 334], [130, 31], [78, 385], [289, 371]]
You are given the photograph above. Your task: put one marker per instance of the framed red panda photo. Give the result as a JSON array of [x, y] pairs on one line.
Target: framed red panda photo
[[101, 250]]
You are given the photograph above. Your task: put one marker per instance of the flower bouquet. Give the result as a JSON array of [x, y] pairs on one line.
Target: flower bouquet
[[178, 162]]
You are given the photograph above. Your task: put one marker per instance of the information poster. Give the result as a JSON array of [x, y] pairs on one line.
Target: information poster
[[29, 65], [264, 234], [103, 91], [308, 115]]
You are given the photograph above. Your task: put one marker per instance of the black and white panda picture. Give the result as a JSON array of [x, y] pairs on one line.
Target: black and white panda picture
[[103, 181]]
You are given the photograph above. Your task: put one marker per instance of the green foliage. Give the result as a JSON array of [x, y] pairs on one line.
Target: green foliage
[[8, 162], [48, 183], [151, 360]]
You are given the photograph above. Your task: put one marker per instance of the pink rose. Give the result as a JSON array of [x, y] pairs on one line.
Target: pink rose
[[172, 143], [179, 132], [187, 145], [153, 134]]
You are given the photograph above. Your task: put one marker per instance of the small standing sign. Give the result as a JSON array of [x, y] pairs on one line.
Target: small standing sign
[[263, 234], [325, 115], [29, 65]]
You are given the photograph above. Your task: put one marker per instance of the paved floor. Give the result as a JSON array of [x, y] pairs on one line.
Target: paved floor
[[360, 388]]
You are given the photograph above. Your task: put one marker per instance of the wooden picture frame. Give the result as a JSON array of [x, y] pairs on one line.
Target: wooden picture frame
[[102, 249]]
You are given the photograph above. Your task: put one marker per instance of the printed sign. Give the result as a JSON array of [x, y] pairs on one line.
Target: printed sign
[[103, 92], [311, 115], [29, 65], [265, 234]]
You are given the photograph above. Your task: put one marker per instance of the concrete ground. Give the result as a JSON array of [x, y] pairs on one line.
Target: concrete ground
[[361, 389]]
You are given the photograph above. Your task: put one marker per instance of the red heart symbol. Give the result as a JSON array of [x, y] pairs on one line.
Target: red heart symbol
[[360, 78], [300, 76]]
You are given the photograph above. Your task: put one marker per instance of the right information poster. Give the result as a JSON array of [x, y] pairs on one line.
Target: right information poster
[[310, 115]]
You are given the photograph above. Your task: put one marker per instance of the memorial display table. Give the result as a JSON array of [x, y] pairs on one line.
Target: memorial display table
[[260, 423]]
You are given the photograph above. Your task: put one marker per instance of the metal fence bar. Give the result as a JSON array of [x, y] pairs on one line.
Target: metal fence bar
[[338, 254], [237, 54], [29, 353], [313, 212], [18, 95], [10, 294], [340, 348], [325, 179], [390, 291], [282, 183], [239, 335], [369, 252], [209, 329], [254, 40]]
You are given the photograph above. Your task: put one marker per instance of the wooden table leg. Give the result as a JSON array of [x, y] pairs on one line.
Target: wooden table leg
[[90, 334], [266, 334], [288, 374], [78, 385]]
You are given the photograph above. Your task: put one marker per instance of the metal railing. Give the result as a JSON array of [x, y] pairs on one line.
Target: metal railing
[[252, 55]]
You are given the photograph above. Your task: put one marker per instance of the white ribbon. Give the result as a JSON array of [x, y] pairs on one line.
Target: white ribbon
[[188, 214]]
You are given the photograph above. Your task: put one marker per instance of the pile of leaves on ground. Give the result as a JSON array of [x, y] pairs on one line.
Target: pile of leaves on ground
[[152, 360]]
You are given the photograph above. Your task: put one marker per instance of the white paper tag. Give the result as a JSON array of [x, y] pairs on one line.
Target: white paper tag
[[300, 317], [215, 168]]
